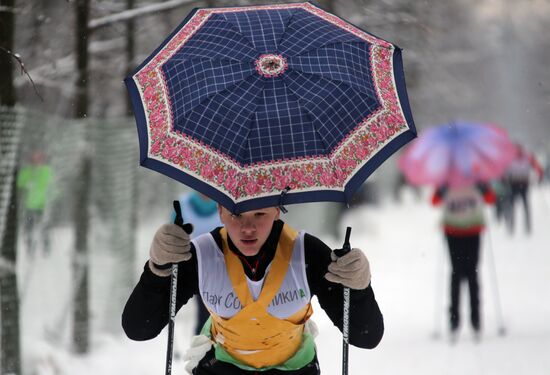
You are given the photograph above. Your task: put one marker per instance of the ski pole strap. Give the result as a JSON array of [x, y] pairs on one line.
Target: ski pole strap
[[162, 266]]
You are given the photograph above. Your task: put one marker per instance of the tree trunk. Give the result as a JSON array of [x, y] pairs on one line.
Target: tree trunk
[[81, 319], [7, 21], [10, 354], [9, 299], [130, 50], [130, 57]]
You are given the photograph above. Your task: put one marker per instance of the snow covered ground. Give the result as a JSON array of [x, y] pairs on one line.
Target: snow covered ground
[[410, 279]]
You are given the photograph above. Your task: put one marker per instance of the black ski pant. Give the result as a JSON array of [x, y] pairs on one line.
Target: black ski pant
[[209, 365], [519, 190], [464, 254]]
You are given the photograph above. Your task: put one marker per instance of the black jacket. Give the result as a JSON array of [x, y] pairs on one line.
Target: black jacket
[[146, 311]]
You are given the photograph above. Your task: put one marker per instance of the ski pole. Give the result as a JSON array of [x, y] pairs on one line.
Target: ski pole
[[173, 292], [346, 248], [498, 308], [545, 198], [438, 290]]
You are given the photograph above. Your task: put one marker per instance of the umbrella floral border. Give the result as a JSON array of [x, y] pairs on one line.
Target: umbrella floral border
[[264, 179]]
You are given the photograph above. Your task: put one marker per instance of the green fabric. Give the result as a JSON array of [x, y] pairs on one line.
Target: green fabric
[[34, 180], [302, 357], [476, 219]]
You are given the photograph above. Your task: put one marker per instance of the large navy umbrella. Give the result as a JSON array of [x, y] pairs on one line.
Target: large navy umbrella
[[267, 105]]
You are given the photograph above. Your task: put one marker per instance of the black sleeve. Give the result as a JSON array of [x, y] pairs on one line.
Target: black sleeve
[[483, 187], [147, 310], [366, 322], [441, 191]]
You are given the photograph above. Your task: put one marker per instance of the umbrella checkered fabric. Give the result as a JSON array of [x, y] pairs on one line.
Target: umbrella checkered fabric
[[267, 105]]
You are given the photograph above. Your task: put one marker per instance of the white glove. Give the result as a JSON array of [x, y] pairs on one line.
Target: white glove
[[311, 328], [200, 345], [171, 244], [351, 270]]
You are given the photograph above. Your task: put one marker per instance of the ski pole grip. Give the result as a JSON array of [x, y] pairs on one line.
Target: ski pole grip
[[346, 247], [187, 227]]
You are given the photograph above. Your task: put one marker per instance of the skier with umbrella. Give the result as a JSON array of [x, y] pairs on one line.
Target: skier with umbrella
[[259, 107], [256, 276], [460, 158], [463, 223]]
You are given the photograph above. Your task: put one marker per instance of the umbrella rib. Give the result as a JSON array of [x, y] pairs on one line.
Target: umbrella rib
[[208, 97], [308, 114], [452, 164], [224, 58], [473, 146], [348, 87], [482, 154], [236, 29], [290, 19], [253, 113], [370, 95], [452, 158], [333, 44]]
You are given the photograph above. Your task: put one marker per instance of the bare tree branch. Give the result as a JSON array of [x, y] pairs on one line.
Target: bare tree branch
[[47, 74], [7, 9], [138, 12], [23, 69]]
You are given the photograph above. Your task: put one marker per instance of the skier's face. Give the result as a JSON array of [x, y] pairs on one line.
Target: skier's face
[[249, 230]]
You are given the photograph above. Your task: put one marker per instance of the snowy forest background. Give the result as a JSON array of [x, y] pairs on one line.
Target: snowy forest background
[[62, 63]]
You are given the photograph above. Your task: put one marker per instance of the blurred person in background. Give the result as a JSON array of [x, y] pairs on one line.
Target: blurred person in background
[[463, 222], [203, 213], [518, 178], [33, 180], [400, 184], [502, 202]]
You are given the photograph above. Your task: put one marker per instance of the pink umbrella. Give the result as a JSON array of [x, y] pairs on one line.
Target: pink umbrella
[[457, 154]]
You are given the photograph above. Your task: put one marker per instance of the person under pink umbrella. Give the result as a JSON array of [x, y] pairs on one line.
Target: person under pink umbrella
[[463, 222], [460, 158]]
